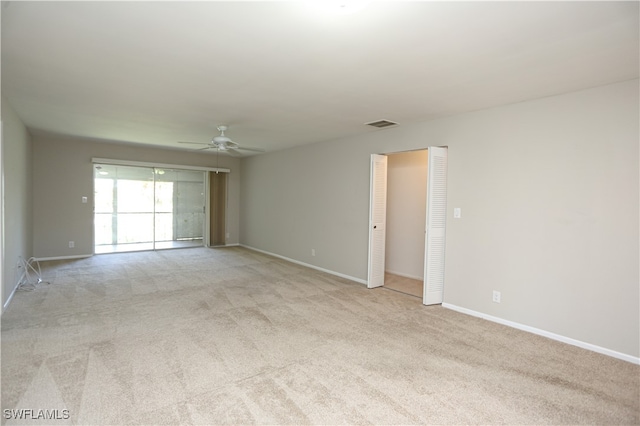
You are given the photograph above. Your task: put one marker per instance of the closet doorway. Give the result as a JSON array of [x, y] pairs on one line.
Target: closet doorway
[[218, 202], [406, 218], [430, 234]]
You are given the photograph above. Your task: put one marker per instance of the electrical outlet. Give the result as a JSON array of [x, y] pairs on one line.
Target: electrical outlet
[[228, 234], [72, 244], [496, 296], [313, 252]]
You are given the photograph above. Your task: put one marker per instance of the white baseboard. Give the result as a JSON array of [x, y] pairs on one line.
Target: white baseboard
[[400, 274], [297, 262], [558, 337], [80, 256]]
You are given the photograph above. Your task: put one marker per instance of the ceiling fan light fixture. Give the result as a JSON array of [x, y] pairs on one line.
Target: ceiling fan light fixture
[[221, 139], [225, 144]]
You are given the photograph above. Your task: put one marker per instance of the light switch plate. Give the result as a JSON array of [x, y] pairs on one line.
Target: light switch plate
[[457, 212]]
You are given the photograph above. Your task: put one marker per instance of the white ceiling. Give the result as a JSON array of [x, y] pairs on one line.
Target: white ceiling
[[282, 74]]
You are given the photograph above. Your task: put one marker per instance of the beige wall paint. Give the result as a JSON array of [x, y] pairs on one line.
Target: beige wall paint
[[550, 204], [406, 213], [63, 174], [17, 213]]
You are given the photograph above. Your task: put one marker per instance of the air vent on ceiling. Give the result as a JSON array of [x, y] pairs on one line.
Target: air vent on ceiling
[[381, 124]]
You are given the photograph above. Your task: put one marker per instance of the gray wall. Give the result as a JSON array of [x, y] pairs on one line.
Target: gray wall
[[550, 204], [17, 216], [63, 174]]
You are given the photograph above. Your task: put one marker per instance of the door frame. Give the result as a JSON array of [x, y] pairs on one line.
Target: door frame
[[428, 213]]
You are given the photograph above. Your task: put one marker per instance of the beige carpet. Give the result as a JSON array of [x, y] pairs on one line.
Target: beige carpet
[[219, 336]]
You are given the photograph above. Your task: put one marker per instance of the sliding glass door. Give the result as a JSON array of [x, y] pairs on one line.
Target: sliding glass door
[[143, 208], [179, 208]]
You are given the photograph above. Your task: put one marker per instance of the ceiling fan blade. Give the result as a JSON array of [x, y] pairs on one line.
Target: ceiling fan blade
[[194, 143], [247, 148], [232, 152]]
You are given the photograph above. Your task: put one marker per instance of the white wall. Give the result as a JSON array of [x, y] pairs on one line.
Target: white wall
[[550, 204], [63, 174], [17, 207], [406, 213]]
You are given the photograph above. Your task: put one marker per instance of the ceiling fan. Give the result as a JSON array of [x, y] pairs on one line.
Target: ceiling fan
[[222, 143]]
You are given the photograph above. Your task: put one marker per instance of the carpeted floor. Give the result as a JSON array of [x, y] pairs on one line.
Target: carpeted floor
[[219, 336]]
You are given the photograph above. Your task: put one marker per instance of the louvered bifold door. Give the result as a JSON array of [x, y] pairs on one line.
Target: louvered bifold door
[[377, 220], [436, 221]]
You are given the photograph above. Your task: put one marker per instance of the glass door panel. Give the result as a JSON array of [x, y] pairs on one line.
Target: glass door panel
[[190, 205], [135, 211], [104, 213], [164, 205], [179, 208], [142, 208]]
